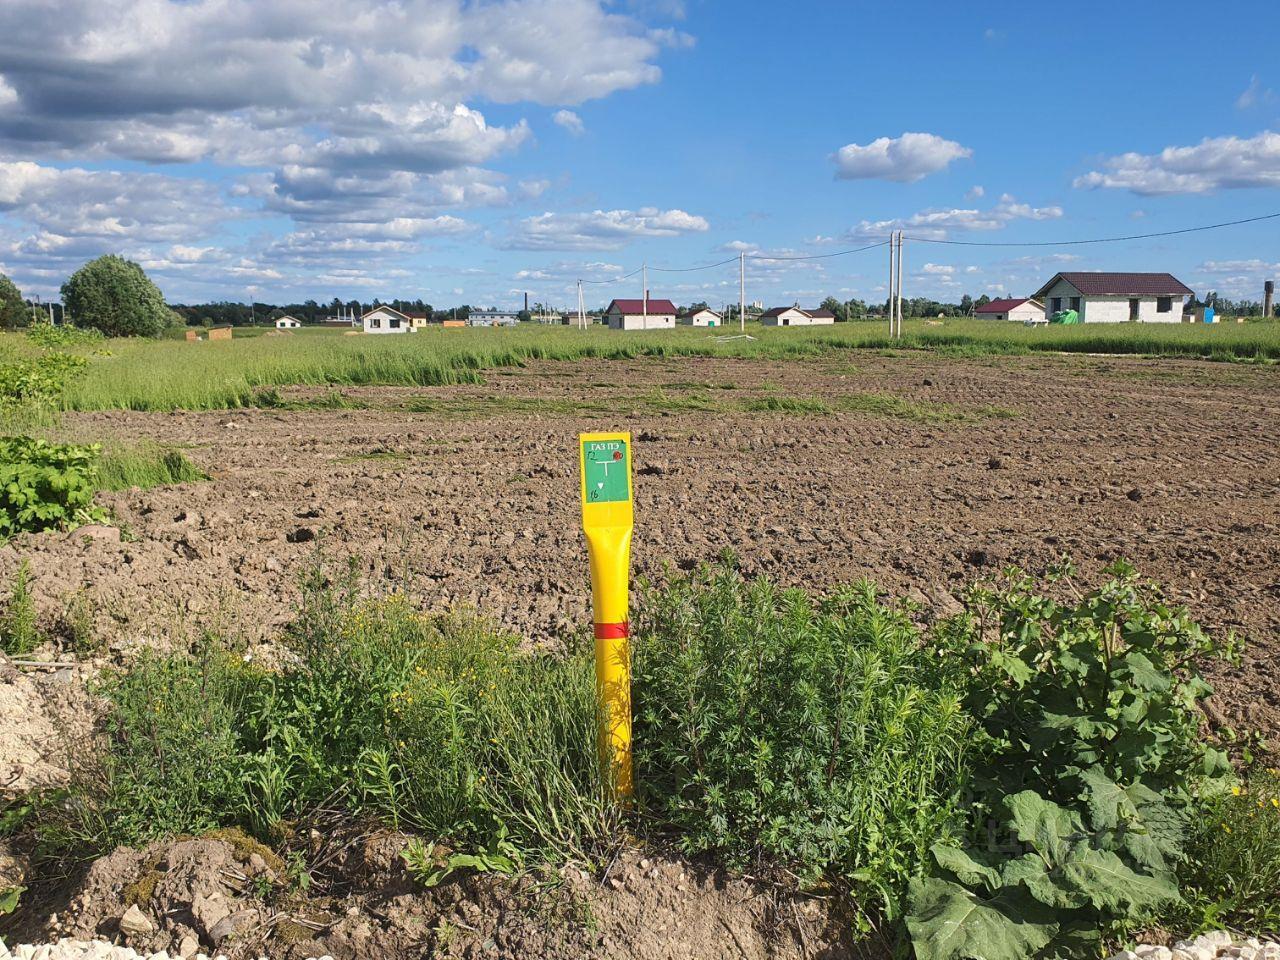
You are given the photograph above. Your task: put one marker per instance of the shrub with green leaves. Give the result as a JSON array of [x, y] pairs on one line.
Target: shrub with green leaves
[[115, 296], [13, 309], [38, 380], [438, 724], [1093, 759], [45, 486], [826, 736], [18, 633], [63, 335], [1232, 875]]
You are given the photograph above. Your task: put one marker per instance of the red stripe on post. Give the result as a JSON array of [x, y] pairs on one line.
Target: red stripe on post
[[613, 631]]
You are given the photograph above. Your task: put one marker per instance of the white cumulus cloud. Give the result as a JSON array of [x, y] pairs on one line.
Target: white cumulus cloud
[[570, 121], [599, 229], [906, 159], [1215, 163]]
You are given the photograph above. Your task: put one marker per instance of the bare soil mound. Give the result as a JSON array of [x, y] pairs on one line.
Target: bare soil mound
[[228, 893]]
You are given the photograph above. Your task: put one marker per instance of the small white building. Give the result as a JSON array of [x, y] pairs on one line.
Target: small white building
[[795, 317], [1116, 297], [1024, 310], [704, 317], [492, 318], [391, 320], [647, 314], [288, 323]]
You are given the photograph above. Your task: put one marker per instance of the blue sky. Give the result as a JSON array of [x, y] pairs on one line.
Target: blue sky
[[467, 152]]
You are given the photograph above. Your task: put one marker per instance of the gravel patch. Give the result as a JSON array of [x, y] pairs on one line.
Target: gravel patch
[[95, 950], [1209, 946]]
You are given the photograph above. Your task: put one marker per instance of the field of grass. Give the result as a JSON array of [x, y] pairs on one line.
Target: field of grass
[[165, 375]]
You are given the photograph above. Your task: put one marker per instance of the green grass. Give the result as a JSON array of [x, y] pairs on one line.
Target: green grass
[[166, 375], [665, 400], [145, 465]]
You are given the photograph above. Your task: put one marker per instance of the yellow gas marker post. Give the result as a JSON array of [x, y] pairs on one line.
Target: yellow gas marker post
[[605, 460]]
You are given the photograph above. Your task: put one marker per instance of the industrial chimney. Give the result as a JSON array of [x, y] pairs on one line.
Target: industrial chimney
[[1268, 290], [526, 301]]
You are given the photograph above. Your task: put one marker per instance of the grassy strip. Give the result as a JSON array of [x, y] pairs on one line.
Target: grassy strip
[[144, 466], [661, 401], [165, 375]]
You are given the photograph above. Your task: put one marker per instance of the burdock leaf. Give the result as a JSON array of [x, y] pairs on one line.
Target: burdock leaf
[[1110, 885], [966, 869], [948, 922]]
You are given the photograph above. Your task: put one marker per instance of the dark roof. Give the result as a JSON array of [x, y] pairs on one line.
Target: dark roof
[[1122, 284], [637, 306], [1003, 306], [384, 306], [416, 314], [778, 311]]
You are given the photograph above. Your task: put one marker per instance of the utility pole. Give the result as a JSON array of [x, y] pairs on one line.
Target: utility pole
[[644, 282], [582, 321], [741, 291], [893, 278], [901, 247]]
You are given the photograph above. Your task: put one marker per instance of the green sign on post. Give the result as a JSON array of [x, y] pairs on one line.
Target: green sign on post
[[605, 471]]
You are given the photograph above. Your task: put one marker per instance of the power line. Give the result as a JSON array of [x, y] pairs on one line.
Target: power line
[[820, 256], [615, 279], [1072, 243], [705, 266]]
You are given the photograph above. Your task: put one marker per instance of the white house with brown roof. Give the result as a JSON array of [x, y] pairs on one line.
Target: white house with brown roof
[[795, 317], [702, 317], [1024, 310], [1116, 297], [644, 314], [288, 323], [390, 320]]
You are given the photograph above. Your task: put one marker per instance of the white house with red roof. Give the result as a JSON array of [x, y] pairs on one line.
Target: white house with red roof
[[643, 314], [1116, 297], [1023, 310]]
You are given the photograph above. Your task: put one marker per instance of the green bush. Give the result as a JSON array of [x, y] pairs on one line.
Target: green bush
[[18, 633], [45, 486], [826, 737], [39, 380], [438, 724], [13, 309], [1093, 761], [64, 335], [1232, 876], [115, 296]]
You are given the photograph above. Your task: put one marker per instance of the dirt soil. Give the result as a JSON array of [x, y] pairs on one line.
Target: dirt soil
[[1172, 464], [232, 895]]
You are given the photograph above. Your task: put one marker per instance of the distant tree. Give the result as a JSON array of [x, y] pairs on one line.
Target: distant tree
[[982, 301], [835, 307], [13, 309], [966, 305], [855, 310], [114, 295]]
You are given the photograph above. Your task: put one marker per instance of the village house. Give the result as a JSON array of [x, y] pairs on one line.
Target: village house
[[492, 318], [648, 314], [390, 320], [702, 317], [288, 323], [795, 317], [1021, 310], [1116, 297]]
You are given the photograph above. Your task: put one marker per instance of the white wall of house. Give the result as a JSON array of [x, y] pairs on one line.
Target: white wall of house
[[287, 323], [382, 320], [638, 321], [1112, 309], [1023, 313], [794, 317]]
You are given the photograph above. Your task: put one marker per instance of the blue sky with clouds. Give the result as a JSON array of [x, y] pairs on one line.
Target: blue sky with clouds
[[467, 152]]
